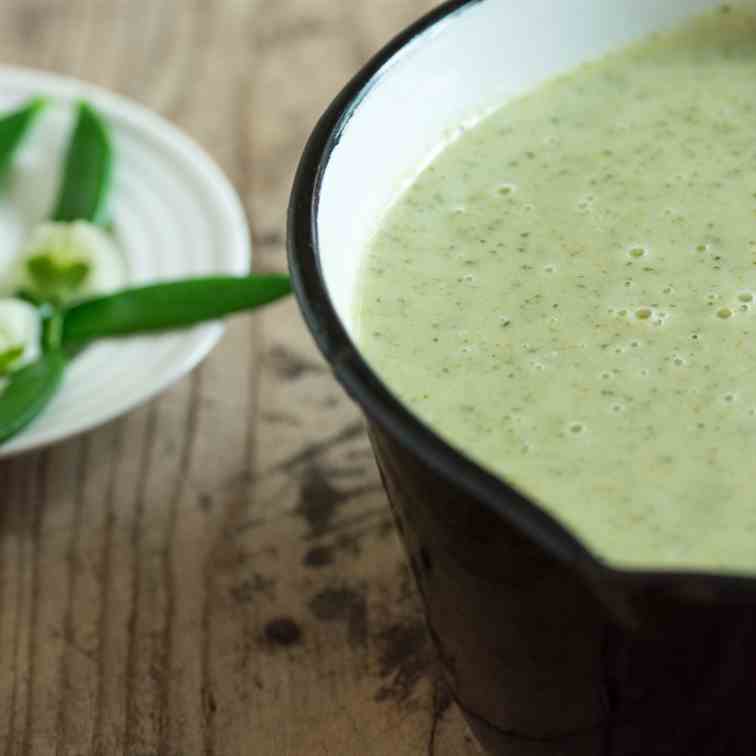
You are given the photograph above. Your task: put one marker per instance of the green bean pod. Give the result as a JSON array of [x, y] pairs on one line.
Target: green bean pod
[[87, 171], [29, 391], [164, 306], [13, 129]]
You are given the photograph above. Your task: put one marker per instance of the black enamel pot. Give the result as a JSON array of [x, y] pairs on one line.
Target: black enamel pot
[[547, 649]]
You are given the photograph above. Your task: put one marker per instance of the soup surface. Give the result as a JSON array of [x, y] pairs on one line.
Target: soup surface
[[568, 294]]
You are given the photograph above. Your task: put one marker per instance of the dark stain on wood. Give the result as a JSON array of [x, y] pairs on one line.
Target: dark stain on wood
[[289, 366], [346, 605], [350, 543], [269, 238], [249, 589], [318, 501], [283, 631], [313, 451], [351, 536], [406, 658], [208, 700], [318, 557]]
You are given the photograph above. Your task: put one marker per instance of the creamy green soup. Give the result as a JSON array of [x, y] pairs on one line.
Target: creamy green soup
[[568, 294]]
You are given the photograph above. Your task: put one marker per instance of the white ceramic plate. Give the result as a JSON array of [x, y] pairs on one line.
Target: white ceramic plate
[[175, 215]]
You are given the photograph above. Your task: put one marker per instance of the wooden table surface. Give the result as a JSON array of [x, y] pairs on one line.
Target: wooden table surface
[[216, 573]]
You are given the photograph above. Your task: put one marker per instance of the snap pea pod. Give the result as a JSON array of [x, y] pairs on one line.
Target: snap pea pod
[[87, 171], [29, 391], [163, 306], [13, 129]]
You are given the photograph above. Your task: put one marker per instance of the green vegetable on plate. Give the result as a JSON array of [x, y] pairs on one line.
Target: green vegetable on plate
[[20, 335], [67, 262], [66, 284], [29, 391], [87, 171], [175, 304], [13, 129], [9, 357]]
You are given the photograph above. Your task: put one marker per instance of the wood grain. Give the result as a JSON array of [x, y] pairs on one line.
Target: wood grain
[[216, 573]]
